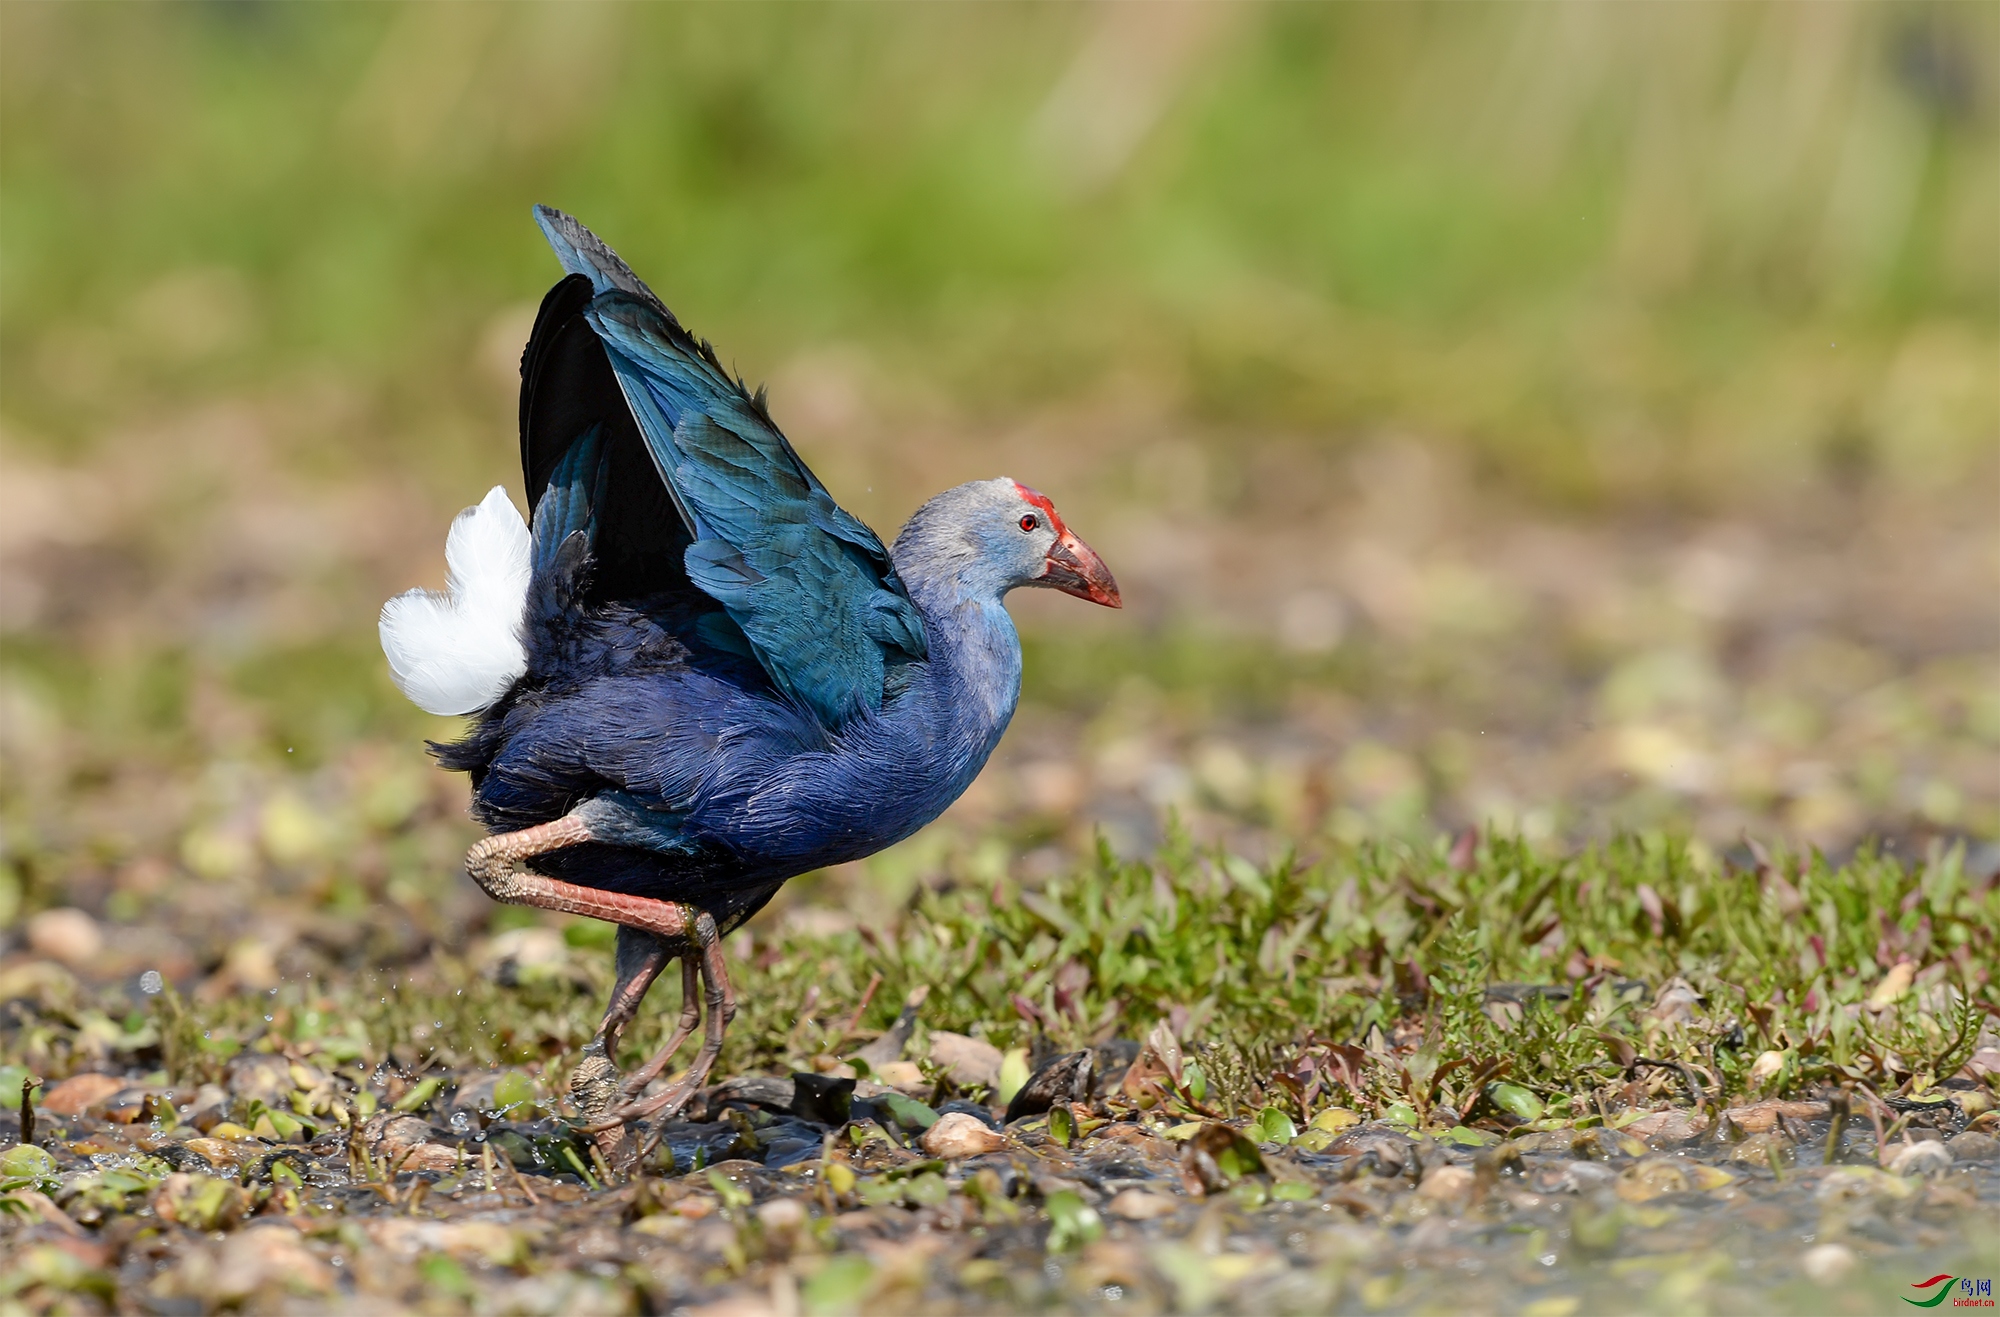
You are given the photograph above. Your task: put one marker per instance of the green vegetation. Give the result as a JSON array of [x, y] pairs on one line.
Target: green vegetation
[[1652, 257], [1274, 974]]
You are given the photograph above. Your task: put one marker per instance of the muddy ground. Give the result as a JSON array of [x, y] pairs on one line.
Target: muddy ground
[[827, 1195]]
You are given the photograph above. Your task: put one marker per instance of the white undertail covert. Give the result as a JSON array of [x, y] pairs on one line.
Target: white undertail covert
[[458, 652]]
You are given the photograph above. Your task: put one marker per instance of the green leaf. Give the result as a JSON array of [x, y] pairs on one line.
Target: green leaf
[[881, 1192], [1293, 1191], [1195, 1080], [1335, 1119], [1235, 1155], [1400, 1113], [1274, 1126], [440, 1272], [1013, 1075], [285, 1127], [1073, 1223], [1062, 1125], [127, 1182], [420, 1096], [906, 1111], [513, 1090], [926, 1190], [838, 1285], [1250, 1194], [339, 1047], [26, 1162], [733, 1195], [1516, 1101]]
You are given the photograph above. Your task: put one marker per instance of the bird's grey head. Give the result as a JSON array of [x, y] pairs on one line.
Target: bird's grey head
[[983, 539]]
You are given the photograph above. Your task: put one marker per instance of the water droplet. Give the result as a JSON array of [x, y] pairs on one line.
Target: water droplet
[[151, 983]]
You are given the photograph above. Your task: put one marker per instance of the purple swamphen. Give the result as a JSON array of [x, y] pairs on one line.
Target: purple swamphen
[[698, 676]]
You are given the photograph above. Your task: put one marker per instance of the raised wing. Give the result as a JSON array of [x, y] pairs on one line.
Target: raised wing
[[808, 584]]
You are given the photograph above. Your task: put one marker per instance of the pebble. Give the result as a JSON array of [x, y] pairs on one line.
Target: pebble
[[65, 934], [1447, 1184], [1652, 1178], [1138, 1205], [1762, 1117], [1573, 1177], [1664, 1129], [210, 1106], [782, 1214], [1767, 1149], [1676, 1000], [431, 1157], [957, 1135], [222, 1152], [903, 1076], [1973, 1146], [268, 1256], [1827, 1264], [1893, 985], [265, 1077], [1765, 1068], [1927, 1158], [488, 1241], [968, 1061]]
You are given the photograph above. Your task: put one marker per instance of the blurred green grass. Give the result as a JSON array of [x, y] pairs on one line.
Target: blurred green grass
[[1610, 251], [1303, 306]]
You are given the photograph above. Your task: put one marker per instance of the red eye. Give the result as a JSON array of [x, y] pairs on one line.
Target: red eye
[[1028, 522]]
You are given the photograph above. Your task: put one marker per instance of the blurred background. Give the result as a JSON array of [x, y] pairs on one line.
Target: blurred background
[[1557, 418]]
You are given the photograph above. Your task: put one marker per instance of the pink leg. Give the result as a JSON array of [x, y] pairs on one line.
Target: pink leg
[[721, 998], [635, 1083], [496, 864], [641, 957]]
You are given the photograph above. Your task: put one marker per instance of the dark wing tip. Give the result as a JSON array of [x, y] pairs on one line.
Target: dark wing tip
[[583, 252]]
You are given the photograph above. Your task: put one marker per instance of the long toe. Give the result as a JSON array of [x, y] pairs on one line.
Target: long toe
[[664, 1106]]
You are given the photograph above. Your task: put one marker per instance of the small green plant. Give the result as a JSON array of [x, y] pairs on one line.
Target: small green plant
[[1287, 984]]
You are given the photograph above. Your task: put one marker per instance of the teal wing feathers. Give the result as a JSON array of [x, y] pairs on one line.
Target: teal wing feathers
[[808, 583]]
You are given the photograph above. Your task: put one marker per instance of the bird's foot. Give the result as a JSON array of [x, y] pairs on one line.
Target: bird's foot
[[595, 1087], [662, 1106], [595, 1083]]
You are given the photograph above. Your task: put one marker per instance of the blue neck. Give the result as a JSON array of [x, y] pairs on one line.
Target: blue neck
[[975, 662]]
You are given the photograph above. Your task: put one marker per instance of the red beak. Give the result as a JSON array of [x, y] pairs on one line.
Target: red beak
[[1073, 567]]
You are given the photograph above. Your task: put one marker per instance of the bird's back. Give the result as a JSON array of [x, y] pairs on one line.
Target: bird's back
[[708, 647], [741, 787]]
